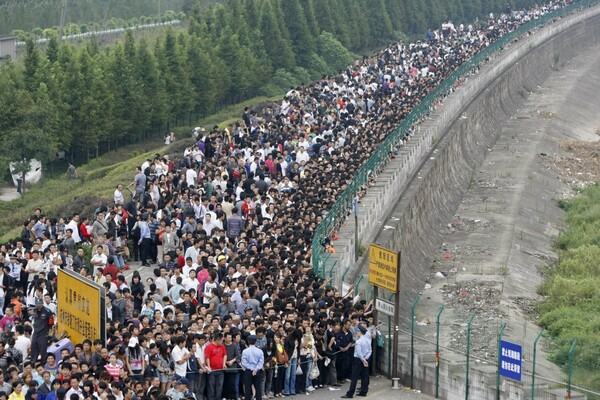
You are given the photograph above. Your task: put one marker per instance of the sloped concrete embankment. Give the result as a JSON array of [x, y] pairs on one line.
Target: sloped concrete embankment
[[433, 197], [422, 188]]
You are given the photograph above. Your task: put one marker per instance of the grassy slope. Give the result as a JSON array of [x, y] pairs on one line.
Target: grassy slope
[[572, 305], [97, 179]]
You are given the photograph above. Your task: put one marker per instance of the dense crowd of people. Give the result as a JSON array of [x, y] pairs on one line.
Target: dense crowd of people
[[233, 308]]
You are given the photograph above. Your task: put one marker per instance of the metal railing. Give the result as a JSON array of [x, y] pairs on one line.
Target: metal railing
[[378, 161], [449, 358]]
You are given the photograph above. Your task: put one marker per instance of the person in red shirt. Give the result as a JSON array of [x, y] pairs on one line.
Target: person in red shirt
[[216, 356], [111, 269], [83, 230]]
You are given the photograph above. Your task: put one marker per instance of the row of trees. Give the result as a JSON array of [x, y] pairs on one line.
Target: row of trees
[[27, 15], [81, 98]]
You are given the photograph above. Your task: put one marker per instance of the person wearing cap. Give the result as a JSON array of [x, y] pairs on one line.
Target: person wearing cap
[[151, 370], [135, 363], [253, 360], [42, 321], [360, 364], [178, 392]]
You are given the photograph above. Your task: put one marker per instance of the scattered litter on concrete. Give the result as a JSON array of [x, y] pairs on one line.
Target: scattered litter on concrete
[[483, 298], [578, 165]]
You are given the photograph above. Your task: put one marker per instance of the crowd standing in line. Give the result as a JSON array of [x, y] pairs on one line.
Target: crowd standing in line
[[234, 308]]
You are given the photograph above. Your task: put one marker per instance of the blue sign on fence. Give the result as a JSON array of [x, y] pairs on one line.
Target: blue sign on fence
[[510, 360]]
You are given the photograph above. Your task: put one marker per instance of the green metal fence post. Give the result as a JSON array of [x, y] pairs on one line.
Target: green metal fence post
[[499, 349], [468, 353], [412, 341], [344, 274], [389, 350], [357, 290], [332, 268], [570, 368], [534, 360], [437, 350]]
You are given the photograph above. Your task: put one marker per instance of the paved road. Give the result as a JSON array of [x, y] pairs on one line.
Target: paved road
[[145, 272], [379, 389]]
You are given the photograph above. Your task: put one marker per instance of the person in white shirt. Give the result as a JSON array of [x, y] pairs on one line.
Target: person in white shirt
[[74, 226], [74, 389], [4, 282], [99, 259], [192, 251], [176, 274], [22, 342], [161, 282], [49, 304], [208, 224], [201, 344], [302, 155], [190, 176], [180, 355], [35, 265], [118, 195], [190, 282]]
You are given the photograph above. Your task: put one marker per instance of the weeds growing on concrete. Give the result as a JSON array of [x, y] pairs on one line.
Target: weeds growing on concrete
[[570, 310]]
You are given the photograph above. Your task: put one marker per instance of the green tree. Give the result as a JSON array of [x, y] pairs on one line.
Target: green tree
[[26, 119], [153, 108], [202, 76], [176, 77], [31, 66], [52, 50], [379, 20], [277, 45], [124, 94], [333, 52], [303, 43]]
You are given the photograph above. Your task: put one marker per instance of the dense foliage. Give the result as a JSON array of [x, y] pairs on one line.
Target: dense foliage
[[29, 15], [85, 98], [570, 310]]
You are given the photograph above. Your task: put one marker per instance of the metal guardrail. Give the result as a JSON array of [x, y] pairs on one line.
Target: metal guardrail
[[377, 162]]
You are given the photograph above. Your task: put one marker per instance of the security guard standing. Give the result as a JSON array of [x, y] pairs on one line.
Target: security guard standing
[[252, 363], [42, 321], [360, 364]]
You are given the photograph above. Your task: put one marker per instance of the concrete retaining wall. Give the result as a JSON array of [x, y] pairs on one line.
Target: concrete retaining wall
[[432, 172], [430, 176]]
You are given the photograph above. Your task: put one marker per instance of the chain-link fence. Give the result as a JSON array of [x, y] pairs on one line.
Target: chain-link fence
[[452, 352], [376, 163]]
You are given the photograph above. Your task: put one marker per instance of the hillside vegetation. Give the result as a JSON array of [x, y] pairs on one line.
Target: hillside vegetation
[[572, 306]]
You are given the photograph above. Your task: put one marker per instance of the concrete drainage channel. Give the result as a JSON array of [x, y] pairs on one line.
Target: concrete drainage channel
[[407, 207]]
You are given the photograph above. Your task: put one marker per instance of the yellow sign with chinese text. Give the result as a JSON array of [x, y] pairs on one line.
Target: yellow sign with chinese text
[[384, 268], [81, 307]]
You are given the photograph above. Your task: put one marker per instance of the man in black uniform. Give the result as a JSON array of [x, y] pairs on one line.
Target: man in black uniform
[[344, 358], [41, 327]]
